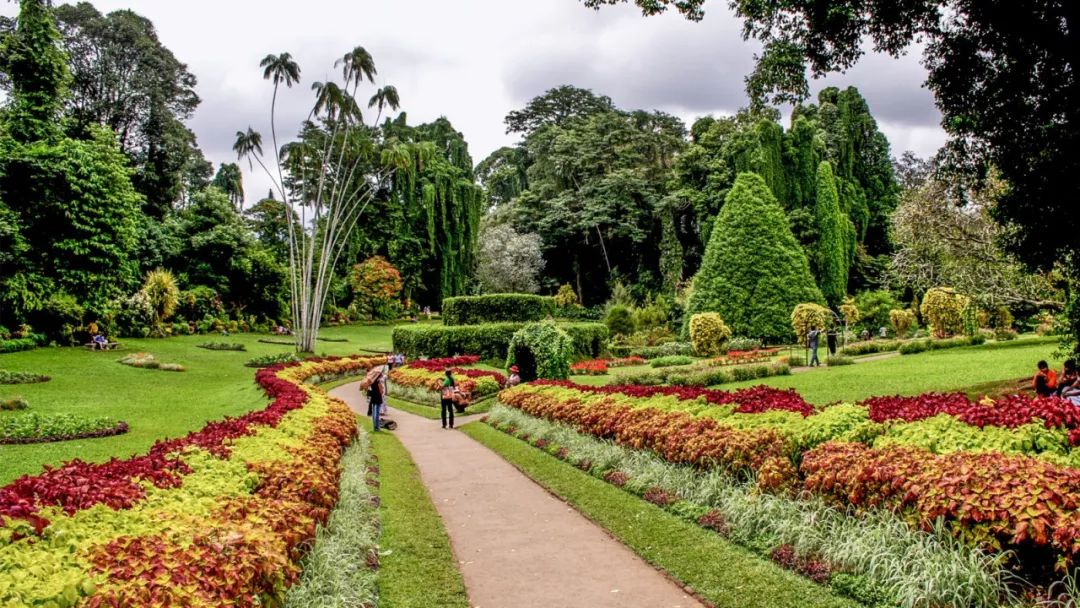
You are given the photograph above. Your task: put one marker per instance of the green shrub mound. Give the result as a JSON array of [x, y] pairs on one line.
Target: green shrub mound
[[702, 376], [7, 377], [497, 308], [489, 341], [839, 360], [32, 427], [223, 346], [670, 349], [13, 404], [18, 344], [541, 350], [869, 348], [754, 272], [671, 361], [268, 360], [148, 361], [919, 346]]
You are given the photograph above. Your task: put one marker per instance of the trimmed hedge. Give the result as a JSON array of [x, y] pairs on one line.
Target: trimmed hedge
[[488, 341], [652, 352], [497, 308]]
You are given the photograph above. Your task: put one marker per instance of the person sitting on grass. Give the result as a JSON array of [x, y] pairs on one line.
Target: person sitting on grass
[[1045, 381]]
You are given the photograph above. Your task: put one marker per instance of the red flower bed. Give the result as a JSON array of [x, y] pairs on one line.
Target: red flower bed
[[993, 499], [1009, 412], [593, 367], [438, 365], [740, 357], [751, 400], [78, 485]]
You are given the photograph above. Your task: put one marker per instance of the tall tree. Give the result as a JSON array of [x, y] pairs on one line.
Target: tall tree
[[831, 258], [230, 180], [36, 72], [124, 78], [556, 107], [754, 272]]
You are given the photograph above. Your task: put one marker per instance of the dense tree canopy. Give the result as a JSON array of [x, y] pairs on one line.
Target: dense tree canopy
[[1004, 75]]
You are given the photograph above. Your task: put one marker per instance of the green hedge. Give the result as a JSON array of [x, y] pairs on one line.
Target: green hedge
[[489, 341], [497, 308]]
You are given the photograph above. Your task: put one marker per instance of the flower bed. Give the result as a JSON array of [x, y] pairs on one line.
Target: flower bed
[[218, 517], [46, 428], [997, 498], [736, 357], [423, 379], [599, 367], [148, 361]]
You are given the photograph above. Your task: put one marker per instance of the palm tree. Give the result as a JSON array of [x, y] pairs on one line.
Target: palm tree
[[248, 145], [384, 97], [357, 64]]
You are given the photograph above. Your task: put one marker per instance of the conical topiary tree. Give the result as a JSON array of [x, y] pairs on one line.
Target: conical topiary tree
[[754, 272]]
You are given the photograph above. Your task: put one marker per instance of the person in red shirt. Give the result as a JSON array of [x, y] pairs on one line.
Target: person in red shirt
[[1045, 381]]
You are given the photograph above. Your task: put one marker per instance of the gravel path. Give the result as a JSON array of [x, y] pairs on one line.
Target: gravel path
[[517, 545]]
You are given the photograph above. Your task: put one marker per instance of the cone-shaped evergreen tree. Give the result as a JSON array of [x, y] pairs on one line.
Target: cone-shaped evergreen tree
[[754, 272], [831, 253]]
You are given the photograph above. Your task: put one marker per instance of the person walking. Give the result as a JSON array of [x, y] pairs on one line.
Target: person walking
[[376, 400], [449, 387], [813, 338]]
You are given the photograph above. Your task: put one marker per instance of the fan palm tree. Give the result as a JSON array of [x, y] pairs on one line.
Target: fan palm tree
[[386, 97]]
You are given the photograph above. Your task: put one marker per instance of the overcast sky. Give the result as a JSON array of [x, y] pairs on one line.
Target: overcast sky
[[474, 60]]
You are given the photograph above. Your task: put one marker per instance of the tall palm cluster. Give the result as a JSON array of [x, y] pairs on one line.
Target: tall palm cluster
[[327, 177]]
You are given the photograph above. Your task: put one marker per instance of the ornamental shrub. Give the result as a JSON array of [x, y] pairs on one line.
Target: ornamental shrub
[[850, 312], [164, 296], [874, 308], [902, 321], [671, 361], [943, 309], [488, 341], [809, 316], [754, 272], [541, 350], [619, 320], [497, 308], [708, 333], [376, 285], [566, 297]]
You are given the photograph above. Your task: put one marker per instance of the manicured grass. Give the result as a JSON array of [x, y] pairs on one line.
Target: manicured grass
[[417, 566], [155, 404], [945, 370], [722, 573]]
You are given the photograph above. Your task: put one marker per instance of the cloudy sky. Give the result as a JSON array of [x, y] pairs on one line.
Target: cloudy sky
[[474, 60]]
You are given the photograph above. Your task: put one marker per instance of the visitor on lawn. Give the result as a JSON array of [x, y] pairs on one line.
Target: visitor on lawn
[[376, 400], [1068, 379], [1045, 381], [813, 338], [515, 376], [100, 342], [449, 387]]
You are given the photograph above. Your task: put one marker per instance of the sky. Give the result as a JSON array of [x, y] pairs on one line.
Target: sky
[[475, 60]]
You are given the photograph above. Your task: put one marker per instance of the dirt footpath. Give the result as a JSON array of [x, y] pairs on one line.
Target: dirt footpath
[[518, 546]]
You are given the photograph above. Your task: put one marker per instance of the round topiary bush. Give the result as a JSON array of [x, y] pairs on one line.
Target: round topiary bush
[[541, 350], [708, 333], [943, 309], [808, 316]]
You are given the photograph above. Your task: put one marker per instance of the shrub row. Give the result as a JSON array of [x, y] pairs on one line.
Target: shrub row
[[487, 341], [218, 517], [497, 308], [7, 377], [671, 349], [703, 376], [272, 359], [15, 345], [223, 346], [918, 346], [46, 428], [871, 347]]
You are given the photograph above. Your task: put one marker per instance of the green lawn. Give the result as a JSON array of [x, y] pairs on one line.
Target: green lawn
[[155, 404], [943, 370], [724, 574], [417, 568]]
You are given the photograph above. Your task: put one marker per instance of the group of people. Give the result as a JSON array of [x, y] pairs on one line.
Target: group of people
[[377, 391], [1065, 385]]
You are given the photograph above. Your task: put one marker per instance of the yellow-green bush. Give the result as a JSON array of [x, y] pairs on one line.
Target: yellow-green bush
[[902, 321], [708, 333], [943, 309], [808, 316]]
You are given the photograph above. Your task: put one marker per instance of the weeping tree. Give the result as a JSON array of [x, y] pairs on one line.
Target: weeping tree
[[327, 178]]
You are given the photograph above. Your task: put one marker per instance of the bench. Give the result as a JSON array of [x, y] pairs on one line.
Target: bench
[[105, 346]]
